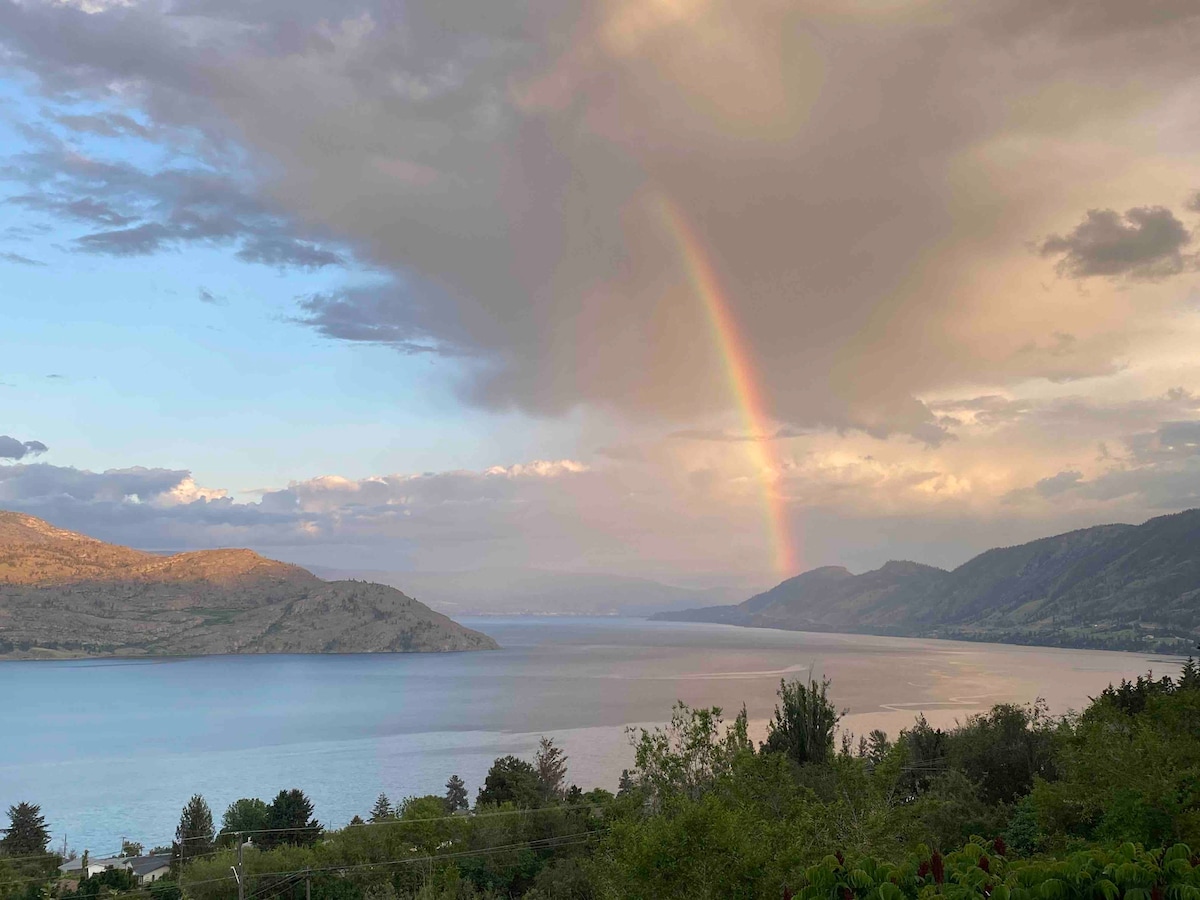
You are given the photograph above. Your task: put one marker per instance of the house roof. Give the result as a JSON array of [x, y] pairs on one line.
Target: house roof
[[76, 864], [144, 865]]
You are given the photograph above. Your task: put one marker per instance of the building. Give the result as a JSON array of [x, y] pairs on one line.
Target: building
[[74, 867], [148, 869], [145, 869]]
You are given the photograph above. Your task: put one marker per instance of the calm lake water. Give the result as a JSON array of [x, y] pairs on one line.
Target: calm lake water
[[114, 748]]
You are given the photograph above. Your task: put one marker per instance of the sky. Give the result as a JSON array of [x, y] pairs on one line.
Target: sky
[[698, 290]]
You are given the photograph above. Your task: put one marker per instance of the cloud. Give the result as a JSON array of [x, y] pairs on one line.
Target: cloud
[[1146, 243], [104, 124], [207, 296], [504, 171], [85, 209], [1056, 484], [137, 241], [12, 449], [20, 260], [857, 181], [281, 251], [141, 211], [390, 314], [1170, 441]]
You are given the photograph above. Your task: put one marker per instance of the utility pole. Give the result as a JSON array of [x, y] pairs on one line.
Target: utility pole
[[237, 870], [308, 885]]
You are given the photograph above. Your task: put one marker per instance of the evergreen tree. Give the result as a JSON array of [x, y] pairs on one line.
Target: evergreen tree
[[804, 722], [551, 765], [456, 794], [382, 808], [511, 780], [1189, 678], [194, 836], [26, 834], [626, 783], [290, 821]]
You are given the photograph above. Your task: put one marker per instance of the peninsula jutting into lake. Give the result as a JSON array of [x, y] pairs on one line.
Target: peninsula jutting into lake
[[63, 594]]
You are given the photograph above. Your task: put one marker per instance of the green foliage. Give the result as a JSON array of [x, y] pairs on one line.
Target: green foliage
[[382, 808], [1004, 750], [686, 756], [26, 833], [979, 869], [1129, 770], [194, 836], [804, 722], [290, 821], [248, 815], [26, 866], [103, 883], [551, 765], [456, 795], [511, 780]]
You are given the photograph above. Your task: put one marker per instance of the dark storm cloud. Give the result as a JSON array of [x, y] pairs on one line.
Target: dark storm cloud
[[511, 155], [11, 448], [1147, 242]]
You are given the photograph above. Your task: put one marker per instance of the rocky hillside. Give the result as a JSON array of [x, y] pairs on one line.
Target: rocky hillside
[[1116, 586], [65, 594]]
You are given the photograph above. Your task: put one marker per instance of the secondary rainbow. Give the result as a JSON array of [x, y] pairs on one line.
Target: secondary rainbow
[[742, 378]]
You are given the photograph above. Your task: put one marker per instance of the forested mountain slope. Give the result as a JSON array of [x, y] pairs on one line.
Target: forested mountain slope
[[1110, 586]]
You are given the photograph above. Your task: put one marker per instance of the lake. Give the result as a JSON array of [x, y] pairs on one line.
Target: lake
[[114, 748]]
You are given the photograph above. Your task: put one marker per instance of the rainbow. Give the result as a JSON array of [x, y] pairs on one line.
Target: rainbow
[[742, 379]]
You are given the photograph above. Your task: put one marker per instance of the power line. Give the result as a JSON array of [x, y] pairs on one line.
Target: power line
[[548, 843]]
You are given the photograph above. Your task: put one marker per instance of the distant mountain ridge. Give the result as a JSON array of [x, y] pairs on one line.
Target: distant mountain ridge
[[67, 594], [1116, 586], [514, 591]]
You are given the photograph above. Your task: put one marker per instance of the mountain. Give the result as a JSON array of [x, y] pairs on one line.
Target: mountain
[[1115, 586], [66, 594], [512, 591]]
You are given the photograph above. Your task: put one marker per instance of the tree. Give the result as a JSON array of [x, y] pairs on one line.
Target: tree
[[290, 821], [688, 755], [1004, 750], [1189, 678], [194, 836], [551, 765], [131, 848], [26, 834], [804, 722], [456, 795], [382, 808], [247, 816], [511, 780]]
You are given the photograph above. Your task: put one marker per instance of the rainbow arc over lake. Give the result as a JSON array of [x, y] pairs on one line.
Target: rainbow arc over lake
[[742, 377]]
